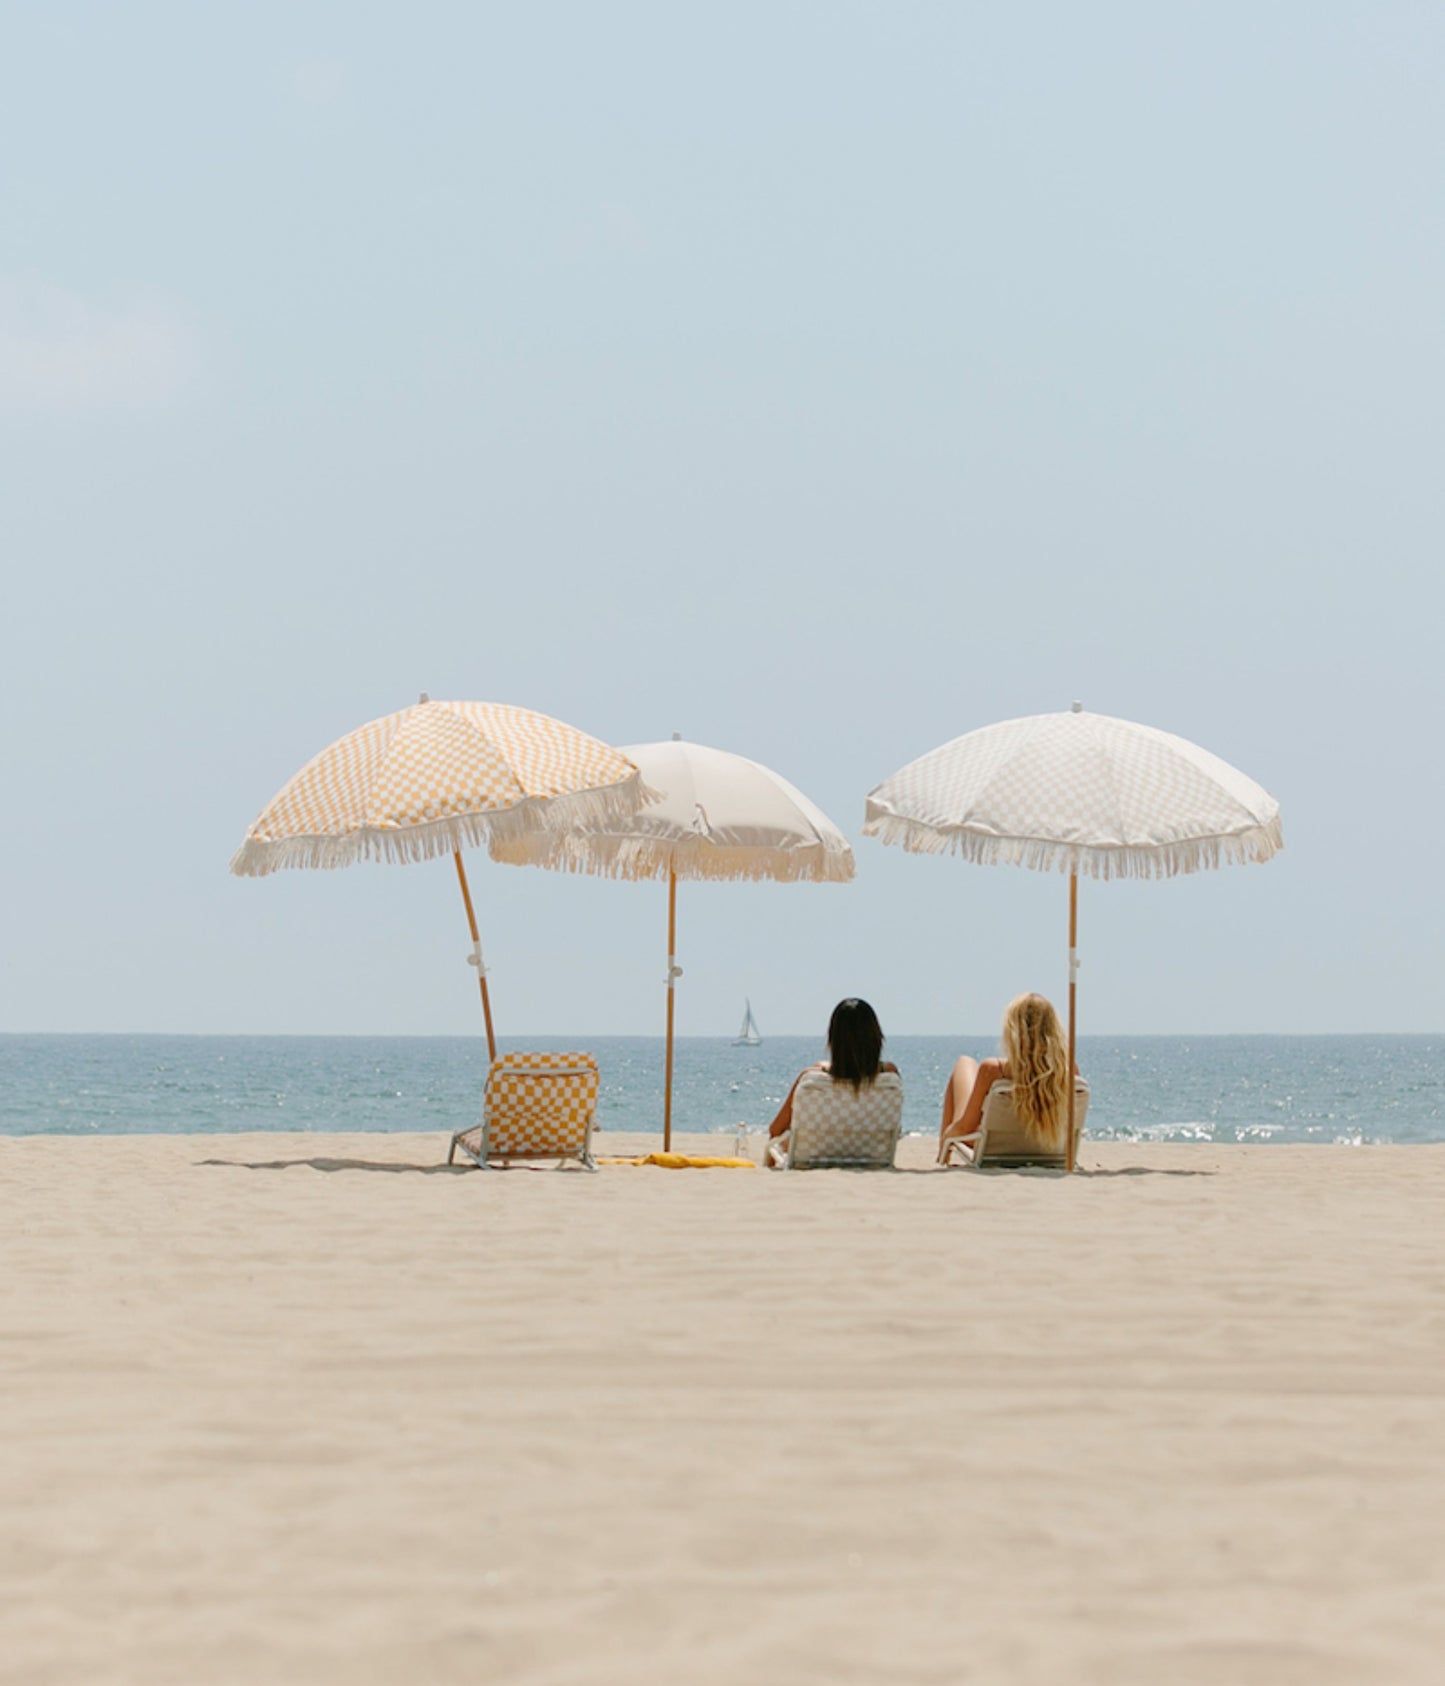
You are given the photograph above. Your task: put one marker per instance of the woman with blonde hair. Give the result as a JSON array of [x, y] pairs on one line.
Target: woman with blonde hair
[[1035, 1060]]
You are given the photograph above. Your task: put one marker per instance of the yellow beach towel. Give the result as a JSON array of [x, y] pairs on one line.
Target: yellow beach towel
[[685, 1161]]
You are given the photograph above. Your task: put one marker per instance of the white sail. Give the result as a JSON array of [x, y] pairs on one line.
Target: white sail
[[748, 1036]]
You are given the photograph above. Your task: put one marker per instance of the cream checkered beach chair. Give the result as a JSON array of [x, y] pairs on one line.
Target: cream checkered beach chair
[[834, 1126], [536, 1106], [1000, 1139]]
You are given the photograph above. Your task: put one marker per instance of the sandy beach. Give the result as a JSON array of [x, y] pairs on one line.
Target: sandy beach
[[316, 1409]]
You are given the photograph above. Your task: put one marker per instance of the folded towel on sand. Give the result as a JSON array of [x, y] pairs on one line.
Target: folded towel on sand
[[685, 1161]]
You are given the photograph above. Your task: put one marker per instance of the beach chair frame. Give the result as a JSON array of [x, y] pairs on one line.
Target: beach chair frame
[[535, 1106], [1000, 1143]]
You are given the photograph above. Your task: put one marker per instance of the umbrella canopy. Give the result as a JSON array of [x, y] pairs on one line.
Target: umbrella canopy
[[1078, 793], [431, 779], [718, 816]]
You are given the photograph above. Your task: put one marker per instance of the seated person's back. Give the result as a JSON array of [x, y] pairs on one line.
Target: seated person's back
[[1035, 1061], [855, 1050]]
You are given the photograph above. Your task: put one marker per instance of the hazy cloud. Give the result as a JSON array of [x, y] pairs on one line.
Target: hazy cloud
[[61, 351], [318, 82]]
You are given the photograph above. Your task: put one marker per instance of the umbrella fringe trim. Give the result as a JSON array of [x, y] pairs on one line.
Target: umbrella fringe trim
[[1164, 860], [610, 805], [640, 858]]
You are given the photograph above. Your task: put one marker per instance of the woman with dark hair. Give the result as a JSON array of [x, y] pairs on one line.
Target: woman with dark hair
[[855, 1056]]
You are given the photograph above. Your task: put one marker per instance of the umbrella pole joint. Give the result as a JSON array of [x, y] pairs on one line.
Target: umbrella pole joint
[[475, 957]]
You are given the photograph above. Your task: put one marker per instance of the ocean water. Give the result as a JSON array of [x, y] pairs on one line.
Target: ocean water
[[1143, 1088]]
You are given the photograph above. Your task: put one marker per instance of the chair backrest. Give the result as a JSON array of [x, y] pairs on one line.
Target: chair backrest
[[540, 1105], [1005, 1141], [833, 1125]]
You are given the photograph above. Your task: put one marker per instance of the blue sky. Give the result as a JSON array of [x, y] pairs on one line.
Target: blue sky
[[819, 381]]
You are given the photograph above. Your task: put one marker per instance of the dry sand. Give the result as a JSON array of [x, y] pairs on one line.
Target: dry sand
[[314, 1409]]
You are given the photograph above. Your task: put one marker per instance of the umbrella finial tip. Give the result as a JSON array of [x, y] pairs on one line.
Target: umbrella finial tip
[[426, 697], [1078, 707], [677, 737]]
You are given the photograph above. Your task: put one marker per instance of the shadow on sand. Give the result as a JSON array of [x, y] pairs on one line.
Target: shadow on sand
[[325, 1164], [1131, 1171], [394, 1166]]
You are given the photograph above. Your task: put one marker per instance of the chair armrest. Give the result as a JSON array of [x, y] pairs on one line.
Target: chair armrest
[[971, 1141]]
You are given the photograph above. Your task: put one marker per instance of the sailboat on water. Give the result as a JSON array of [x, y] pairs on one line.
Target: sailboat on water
[[748, 1036]]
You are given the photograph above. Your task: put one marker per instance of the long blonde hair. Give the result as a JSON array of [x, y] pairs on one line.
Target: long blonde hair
[[1038, 1067]]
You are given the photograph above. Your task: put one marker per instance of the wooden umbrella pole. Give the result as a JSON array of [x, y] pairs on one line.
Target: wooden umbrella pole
[[477, 956], [673, 973], [1073, 1003]]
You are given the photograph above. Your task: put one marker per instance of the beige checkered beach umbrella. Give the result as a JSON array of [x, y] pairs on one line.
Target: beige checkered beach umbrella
[[1077, 793], [433, 779], [718, 816]]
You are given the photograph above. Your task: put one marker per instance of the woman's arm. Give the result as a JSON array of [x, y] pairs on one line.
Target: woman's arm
[[784, 1120]]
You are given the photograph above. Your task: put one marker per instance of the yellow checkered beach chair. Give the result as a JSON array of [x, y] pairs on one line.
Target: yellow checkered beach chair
[[536, 1106], [834, 1126], [1000, 1139]]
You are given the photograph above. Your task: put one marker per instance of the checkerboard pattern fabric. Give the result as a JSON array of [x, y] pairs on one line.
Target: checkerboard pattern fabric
[[1077, 792], [437, 777], [833, 1125], [537, 1106]]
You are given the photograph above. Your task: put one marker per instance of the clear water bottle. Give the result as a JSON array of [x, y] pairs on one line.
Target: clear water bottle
[[742, 1149]]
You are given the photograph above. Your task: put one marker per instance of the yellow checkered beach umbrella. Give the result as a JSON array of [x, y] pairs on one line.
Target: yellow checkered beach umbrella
[[436, 778]]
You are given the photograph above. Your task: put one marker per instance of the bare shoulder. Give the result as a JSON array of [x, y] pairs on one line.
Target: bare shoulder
[[888, 1065]]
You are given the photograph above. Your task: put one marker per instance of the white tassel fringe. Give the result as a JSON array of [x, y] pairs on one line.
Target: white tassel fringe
[[612, 805], [1164, 860], [638, 858]]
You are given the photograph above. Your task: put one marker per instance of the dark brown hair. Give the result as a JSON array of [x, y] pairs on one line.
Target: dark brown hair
[[855, 1043]]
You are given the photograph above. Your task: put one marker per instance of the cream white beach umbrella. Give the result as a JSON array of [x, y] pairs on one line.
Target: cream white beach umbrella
[[1077, 793], [432, 779], [719, 816]]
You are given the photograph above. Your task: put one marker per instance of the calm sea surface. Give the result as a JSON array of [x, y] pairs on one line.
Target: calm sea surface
[[1173, 1088]]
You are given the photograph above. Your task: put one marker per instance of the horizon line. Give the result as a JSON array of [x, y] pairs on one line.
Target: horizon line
[[658, 1036]]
